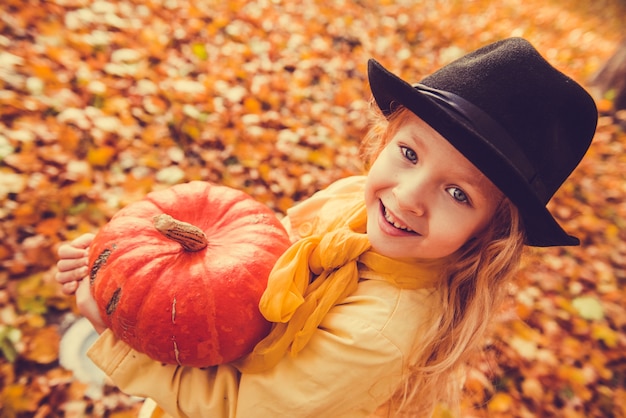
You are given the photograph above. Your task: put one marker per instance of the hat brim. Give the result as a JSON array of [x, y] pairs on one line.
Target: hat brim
[[389, 91]]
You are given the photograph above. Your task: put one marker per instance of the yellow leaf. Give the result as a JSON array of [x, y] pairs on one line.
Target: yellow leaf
[[265, 171], [501, 402], [612, 231], [199, 50], [441, 411], [14, 398], [605, 334], [320, 158], [101, 156], [19, 398], [588, 307]]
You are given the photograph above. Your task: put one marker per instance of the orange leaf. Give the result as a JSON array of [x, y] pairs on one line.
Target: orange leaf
[[43, 347], [501, 402], [50, 227], [252, 105], [101, 157]]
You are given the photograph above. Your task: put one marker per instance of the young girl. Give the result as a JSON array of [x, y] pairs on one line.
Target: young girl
[[393, 277]]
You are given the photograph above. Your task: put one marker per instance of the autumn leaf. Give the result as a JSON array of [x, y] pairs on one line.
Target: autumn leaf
[[43, 346], [588, 307], [501, 402], [9, 337], [19, 398]]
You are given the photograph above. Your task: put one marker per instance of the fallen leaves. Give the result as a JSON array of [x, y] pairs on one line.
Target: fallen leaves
[[104, 101]]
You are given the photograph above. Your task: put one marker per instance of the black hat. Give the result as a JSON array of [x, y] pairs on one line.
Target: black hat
[[520, 121]]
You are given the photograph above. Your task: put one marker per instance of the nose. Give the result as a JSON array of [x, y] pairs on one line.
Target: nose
[[411, 194]]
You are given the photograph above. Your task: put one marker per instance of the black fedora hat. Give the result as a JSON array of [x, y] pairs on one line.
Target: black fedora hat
[[520, 121]]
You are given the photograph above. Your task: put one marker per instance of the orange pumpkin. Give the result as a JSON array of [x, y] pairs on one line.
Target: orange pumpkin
[[179, 274]]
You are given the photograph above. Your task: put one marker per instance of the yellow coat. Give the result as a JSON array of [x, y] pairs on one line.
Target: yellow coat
[[354, 362]]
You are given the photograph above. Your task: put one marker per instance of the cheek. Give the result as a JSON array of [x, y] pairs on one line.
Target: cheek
[[456, 233], [483, 221], [384, 166], [370, 195], [374, 181], [472, 230]]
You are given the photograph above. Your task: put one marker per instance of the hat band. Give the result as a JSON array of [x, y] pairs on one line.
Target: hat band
[[489, 128]]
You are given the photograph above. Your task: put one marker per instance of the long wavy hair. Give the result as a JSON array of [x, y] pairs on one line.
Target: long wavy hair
[[471, 292]]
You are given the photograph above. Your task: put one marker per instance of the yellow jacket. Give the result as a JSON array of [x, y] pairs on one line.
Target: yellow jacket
[[352, 365]]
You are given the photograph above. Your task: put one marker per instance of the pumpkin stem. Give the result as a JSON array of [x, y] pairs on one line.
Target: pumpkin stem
[[189, 236]]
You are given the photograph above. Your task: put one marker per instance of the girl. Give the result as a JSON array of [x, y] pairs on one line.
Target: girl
[[393, 277]]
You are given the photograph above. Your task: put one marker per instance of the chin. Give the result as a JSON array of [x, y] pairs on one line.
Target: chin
[[390, 251]]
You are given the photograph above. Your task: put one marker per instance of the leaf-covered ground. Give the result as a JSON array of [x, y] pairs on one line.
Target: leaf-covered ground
[[102, 101]]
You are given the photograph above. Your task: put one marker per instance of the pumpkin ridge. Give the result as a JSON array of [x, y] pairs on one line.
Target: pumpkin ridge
[[250, 222], [224, 215], [124, 267], [183, 350]]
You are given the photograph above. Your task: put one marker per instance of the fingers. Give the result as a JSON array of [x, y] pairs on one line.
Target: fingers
[[69, 251], [83, 241], [67, 264], [78, 248], [69, 288], [72, 264], [77, 274]]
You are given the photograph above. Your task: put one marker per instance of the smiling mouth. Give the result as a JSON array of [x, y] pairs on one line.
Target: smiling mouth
[[391, 220]]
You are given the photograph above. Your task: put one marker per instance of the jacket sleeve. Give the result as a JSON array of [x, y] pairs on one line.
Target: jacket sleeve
[[181, 391], [353, 364]]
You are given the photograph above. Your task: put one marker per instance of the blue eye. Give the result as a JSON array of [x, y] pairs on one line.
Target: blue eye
[[409, 154], [458, 195]]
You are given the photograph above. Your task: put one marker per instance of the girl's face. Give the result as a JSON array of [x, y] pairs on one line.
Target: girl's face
[[424, 199]]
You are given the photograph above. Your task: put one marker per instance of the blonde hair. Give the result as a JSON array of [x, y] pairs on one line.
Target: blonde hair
[[473, 287]]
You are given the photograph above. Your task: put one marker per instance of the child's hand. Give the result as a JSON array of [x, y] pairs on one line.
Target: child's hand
[[72, 264], [72, 275], [87, 306]]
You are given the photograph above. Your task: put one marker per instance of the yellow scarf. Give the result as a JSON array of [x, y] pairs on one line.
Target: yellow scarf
[[315, 274]]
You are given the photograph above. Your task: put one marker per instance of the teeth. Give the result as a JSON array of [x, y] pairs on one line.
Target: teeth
[[395, 223]]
